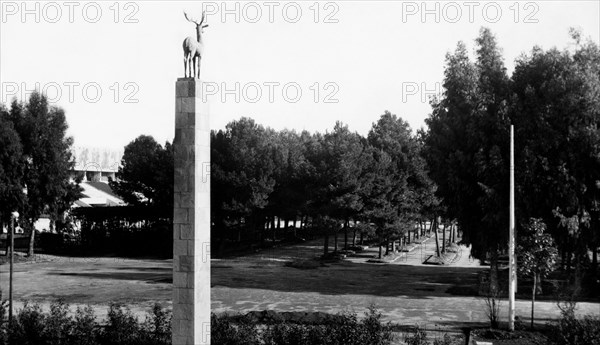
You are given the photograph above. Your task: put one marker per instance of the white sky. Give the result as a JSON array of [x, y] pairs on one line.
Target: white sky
[[379, 55]]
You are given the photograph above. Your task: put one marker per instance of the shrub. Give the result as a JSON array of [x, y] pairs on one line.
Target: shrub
[[85, 327], [445, 340], [376, 332], [569, 330], [122, 327], [27, 327], [344, 329], [157, 327], [419, 337], [32, 326], [3, 320], [224, 332]]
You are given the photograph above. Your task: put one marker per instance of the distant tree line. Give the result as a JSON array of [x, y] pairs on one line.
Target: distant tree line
[[266, 183], [263, 180]]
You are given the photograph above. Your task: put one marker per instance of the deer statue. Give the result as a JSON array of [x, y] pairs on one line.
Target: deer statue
[[193, 48]]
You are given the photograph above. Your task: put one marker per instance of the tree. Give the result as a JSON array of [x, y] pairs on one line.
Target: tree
[[242, 176], [537, 255], [467, 147], [11, 169], [47, 158], [344, 165], [555, 111], [145, 176], [397, 177]]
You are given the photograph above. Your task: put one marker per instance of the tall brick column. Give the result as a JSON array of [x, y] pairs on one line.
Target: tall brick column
[[191, 217]]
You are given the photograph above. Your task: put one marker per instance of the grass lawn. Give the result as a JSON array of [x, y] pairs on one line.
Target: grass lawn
[[406, 292]]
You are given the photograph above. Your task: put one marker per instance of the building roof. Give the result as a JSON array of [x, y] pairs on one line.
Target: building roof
[[97, 194]]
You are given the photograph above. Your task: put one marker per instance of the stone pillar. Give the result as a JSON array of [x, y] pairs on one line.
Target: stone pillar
[[191, 217]]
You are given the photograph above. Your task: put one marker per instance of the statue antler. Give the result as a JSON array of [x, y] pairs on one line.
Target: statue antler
[[203, 21], [189, 19]]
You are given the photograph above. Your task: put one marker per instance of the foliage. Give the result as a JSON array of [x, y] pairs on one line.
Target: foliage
[[492, 302], [327, 180], [11, 168], [556, 101], [46, 160], [124, 230], [466, 146], [224, 332], [536, 250], [552, 100], [33, 326], [569, 330], [145, 176], [347, 329], [445, 340], [418, 337]]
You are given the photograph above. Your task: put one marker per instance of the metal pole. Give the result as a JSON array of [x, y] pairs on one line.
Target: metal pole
[[10, 276], [511, 240]]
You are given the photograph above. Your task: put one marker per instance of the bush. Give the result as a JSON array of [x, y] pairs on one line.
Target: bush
[[572, 331], [122, 327], [344, 329], [419, 337], [224, 332], [3, 319], [85, 326], [445, 340], [32, 326]]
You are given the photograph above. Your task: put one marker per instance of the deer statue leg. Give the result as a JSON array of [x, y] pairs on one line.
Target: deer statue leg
[[192, 67], [199, 59], [189, 66], [185, 72]]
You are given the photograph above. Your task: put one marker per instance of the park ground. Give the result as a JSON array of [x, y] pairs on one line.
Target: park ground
[[406, 292]]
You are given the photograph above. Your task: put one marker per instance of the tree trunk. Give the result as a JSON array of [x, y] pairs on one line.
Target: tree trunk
[[408, 239], [380, 250], [278, 223], [346, 234], [444, 238], [437, 243], [494, 273], [354, 235], [326, 245], [569, 255], [362, 235], [335, 242], [594, 260], [7, 238], [387, 246], [533, 291], [294, 226], [273, 228], [30, 252], [431, 226]]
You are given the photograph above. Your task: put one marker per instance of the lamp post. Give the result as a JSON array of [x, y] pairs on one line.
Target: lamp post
[[14, 216]]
